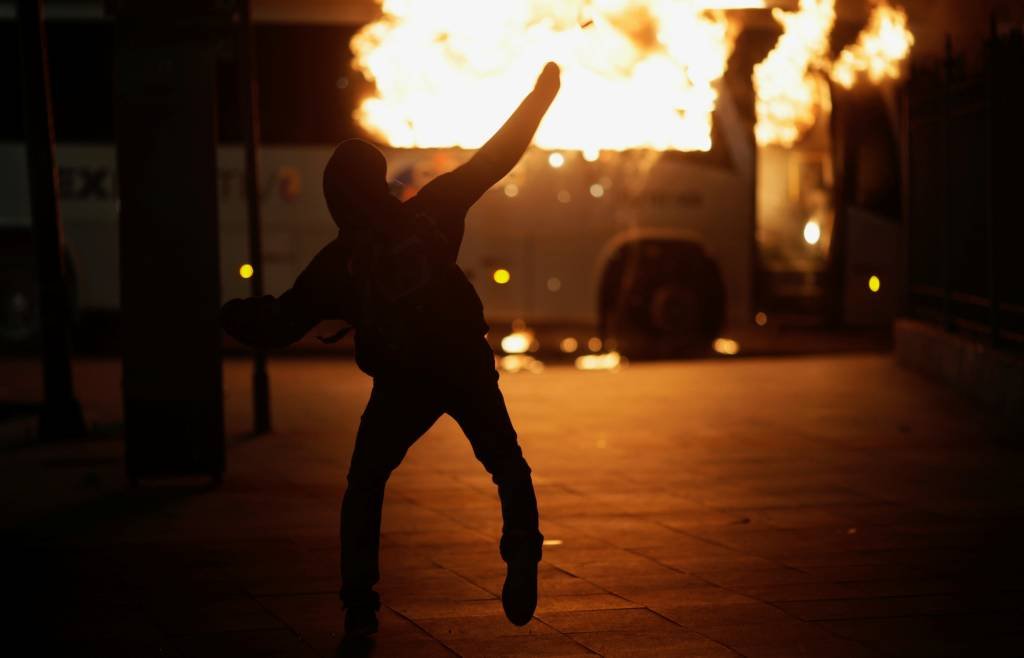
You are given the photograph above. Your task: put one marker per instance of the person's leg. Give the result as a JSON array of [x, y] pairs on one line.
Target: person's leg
[[477, 405], [396, 415]]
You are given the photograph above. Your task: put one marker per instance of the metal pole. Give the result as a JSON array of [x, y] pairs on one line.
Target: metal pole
[[251, 126], [992, 70], [947, 220], [61, 415]]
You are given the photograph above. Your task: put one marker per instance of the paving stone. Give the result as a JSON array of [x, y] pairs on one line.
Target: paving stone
[[615, 644], [781, 639], [191, 615], [480, 627], [770, 509], [700, 615], [548, 645], [629, 620], [895, 606], [276, 643], [565, 602]]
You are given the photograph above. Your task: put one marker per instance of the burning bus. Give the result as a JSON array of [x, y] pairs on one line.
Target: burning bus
[[669, 200]]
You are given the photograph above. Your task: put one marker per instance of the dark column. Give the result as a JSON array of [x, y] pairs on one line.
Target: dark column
[[165, 122], [251, 126], [61, 415]]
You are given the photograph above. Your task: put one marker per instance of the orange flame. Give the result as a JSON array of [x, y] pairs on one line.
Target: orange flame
[[635, 73], [879, 50], [790, 92], [791, 85]]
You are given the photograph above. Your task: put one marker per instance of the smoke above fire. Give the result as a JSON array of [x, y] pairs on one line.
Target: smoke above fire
[[635, 73]]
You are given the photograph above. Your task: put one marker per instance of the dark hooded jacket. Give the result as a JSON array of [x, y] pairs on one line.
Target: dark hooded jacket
[[445, 325]]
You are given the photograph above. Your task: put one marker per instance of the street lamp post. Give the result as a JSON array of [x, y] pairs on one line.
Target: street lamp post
[[61, 415]]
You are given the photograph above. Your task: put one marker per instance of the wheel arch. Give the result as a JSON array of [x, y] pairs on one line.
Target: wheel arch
[[655, 247]]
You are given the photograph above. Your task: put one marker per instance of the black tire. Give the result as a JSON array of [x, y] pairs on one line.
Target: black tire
[[662, 300]]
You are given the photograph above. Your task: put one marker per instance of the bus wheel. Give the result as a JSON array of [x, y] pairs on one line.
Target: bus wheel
[[663, 300]]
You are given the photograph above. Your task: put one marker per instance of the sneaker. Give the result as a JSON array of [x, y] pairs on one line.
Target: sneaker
[[360, 621], [519, 594]]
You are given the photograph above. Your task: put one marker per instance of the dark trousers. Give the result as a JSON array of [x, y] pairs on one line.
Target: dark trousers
[[400, 410]]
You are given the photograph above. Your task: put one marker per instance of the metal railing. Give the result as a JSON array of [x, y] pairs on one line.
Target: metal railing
[[965, 195]]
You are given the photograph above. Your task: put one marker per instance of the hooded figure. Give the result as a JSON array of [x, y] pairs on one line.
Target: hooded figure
[[419, 330]]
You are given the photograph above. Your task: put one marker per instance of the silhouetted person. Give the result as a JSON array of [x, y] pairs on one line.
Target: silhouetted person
[[419, 332]]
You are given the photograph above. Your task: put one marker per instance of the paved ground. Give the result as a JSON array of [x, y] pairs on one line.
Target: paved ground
[[819, 507]]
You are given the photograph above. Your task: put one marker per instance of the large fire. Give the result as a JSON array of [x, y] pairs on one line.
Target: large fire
[[635, 73], [879, 50], [791, 83], [789, 91]]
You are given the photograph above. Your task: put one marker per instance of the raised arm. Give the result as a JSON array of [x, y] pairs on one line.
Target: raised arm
[[502, 151]]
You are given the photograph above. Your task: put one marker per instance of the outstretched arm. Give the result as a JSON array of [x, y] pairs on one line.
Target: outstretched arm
[[321, 291], [502, 151]]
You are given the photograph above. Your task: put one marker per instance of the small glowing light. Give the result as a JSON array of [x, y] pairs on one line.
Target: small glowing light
[[246, 271], [556, 160], [564, 196], [874, 283], [726, 346], [812, 232], [609, 361], [591, 154], [594, 344], [554, 284], [761, 318], [511, 190], [517, 342], [569, 345], [552, 542], [502, 276], [596, 190], [520, 362]]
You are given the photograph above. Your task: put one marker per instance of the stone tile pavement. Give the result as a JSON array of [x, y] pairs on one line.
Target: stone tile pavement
[[819, 507]]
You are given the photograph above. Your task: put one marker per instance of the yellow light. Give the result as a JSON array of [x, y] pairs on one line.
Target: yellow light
[[556, 159], [517, 342], [564, 196], [246, 271], [874, 283], [726, 346], [594, 344], [596, 190], [591, 154], [761, 318], [552, 542], [511, 190], [569, 345], [812, 232], [554, 284], [519, 363], [609, 361], [502, 276]]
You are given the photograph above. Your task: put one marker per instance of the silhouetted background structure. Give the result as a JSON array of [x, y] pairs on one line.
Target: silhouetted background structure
[[964, 143]]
